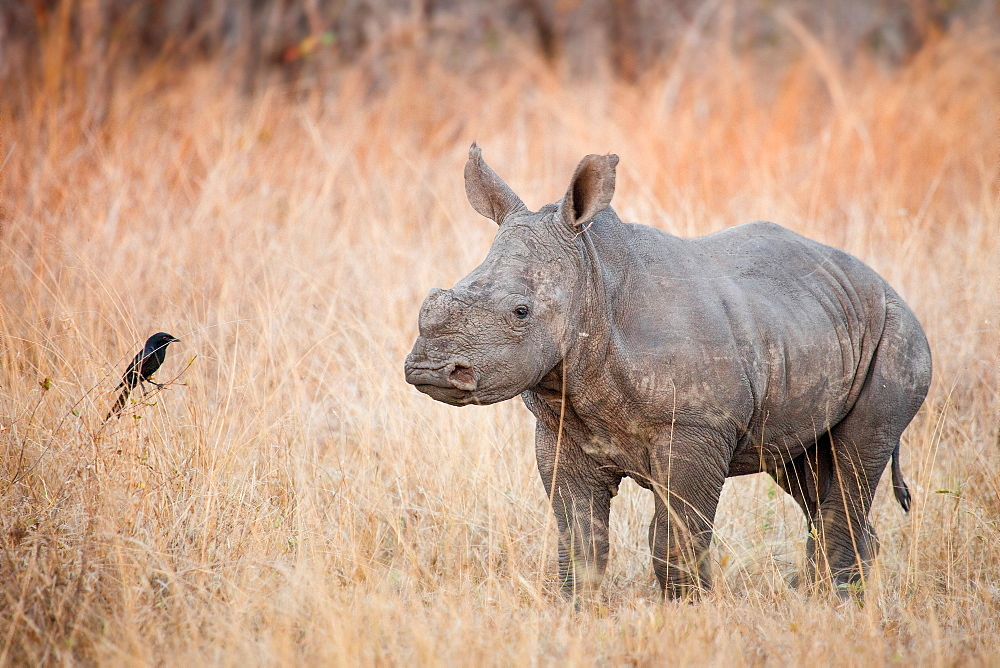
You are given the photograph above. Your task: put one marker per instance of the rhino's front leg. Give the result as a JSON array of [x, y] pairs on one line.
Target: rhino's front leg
[[580, 493], [689, 471]]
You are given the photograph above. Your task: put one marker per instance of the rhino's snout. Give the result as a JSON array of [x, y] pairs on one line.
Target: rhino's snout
[[430, 367], [453, 374]]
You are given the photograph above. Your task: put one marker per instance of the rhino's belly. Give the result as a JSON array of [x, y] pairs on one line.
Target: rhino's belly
[[756, 457], [786, 436]]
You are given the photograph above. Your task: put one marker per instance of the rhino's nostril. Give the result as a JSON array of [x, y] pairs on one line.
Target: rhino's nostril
[[462, 377]]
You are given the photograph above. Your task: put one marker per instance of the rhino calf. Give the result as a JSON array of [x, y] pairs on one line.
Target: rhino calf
[[678, 363]]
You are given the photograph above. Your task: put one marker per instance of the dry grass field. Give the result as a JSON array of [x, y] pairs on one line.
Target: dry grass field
[[288, 499]]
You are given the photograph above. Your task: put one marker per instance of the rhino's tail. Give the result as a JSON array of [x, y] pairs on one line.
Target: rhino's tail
[[899, 487]]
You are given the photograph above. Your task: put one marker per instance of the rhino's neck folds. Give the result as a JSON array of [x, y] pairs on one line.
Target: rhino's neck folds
[[609, 273]]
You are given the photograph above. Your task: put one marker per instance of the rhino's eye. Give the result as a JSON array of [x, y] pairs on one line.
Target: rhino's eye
[[521, 312]]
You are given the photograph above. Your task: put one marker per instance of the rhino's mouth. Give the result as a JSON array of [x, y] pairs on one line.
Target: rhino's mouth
[[453, 382], [448, 395]]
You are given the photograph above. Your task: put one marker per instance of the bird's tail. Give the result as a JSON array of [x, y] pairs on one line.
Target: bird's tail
[[119, 404], [899, 487]]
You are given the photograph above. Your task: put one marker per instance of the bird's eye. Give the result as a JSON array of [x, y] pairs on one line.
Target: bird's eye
[[521, 312]]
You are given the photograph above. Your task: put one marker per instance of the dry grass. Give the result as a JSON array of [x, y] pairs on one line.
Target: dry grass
[[290, 499]]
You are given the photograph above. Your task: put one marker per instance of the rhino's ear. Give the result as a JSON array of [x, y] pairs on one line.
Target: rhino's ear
[[590, 191], [486, 191]]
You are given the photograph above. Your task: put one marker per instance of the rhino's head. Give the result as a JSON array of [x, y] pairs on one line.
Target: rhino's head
[[503, 327]]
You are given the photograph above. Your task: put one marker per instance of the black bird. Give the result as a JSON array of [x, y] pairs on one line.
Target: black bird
[[143, 366]]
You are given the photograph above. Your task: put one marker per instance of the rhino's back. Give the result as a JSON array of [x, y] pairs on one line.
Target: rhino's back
[[801, 322], [752, 254]]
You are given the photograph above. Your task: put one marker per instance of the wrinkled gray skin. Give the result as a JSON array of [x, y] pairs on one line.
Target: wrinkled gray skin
[[678, 363]]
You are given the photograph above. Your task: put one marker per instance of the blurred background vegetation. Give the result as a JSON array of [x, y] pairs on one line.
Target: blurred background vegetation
[[87, 44]]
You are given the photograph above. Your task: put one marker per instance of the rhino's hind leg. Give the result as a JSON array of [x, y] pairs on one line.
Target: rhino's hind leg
[[833, 482], [806, 477], [842, 541], [863, 443]]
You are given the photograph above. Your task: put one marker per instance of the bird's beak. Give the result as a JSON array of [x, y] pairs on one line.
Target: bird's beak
[[174, 340]]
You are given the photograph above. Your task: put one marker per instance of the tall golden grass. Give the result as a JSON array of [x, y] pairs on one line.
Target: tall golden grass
[[289, 499]]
